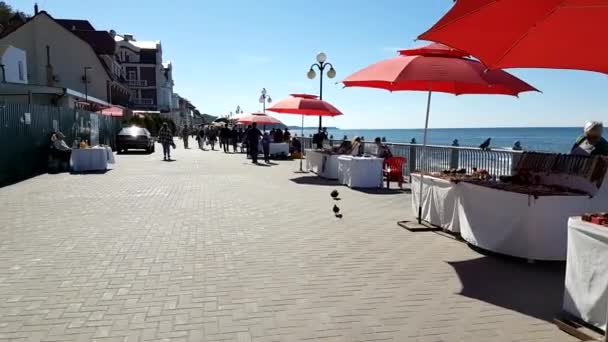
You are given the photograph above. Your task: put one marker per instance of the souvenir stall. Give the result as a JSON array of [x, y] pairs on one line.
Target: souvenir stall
[[524, 215]]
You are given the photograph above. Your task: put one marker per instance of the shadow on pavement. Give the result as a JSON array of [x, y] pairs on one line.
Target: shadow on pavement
[[381, 191], [137, 152], [314, 180], [96, 172], [535, 290]]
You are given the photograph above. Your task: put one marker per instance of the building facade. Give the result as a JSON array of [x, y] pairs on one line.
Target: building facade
[[69, 54], [146, 74]]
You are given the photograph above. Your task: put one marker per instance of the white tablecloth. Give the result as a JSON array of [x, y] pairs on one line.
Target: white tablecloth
[[279, 148], [440, 202], [323, 164], [360, 172], [517, 224], [586, 291], [91, 159]]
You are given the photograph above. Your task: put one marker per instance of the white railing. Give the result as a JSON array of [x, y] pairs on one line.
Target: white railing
[[137, 83], [438, 158], [143, 101]]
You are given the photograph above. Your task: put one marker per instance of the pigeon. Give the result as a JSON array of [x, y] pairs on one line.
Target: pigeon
[[334, 194], [485, 144], [336, 210]]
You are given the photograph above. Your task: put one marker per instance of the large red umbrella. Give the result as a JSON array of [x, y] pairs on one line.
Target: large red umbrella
[[433, 68], [305, 105], [258, 118], [557, 34]]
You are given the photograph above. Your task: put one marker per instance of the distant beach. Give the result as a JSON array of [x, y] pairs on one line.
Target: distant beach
[[548, 139]]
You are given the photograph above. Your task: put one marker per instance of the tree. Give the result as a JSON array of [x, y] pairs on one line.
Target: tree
[[10, 18]]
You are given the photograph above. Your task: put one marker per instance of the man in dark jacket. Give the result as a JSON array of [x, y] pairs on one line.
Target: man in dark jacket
[[165, 137], [253, 140]]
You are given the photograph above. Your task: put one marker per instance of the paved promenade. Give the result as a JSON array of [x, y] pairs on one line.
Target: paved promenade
[[213, 248]]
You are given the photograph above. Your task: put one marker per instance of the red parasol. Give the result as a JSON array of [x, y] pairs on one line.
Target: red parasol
[[558, 34], [258, 118], [112, 111], [436, 67], [304, 104]]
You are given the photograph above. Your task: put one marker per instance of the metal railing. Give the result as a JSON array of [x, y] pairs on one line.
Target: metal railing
[[137, 83], [437, 158], [143, 101]]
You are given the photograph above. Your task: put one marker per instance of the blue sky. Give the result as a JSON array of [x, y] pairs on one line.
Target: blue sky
[[225, 51]]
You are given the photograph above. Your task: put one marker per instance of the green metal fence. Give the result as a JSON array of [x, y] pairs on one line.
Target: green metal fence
[[25, 132]]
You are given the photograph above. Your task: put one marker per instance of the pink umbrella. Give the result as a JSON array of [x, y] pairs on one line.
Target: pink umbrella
[[258, 118], [304, 104]]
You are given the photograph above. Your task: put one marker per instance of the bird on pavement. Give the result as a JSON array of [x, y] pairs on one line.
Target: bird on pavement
[[336, 210], [334, 194], [485, 144]]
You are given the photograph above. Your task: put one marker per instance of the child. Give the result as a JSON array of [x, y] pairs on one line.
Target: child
[[266, 147]]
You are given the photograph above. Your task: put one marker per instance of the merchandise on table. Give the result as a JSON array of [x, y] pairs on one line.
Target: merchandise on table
[[600, 219]]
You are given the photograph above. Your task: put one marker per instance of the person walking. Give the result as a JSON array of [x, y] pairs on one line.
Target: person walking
[[225, 138], [200, 136], [253, 139], [266, 147], [165, 137], [212, 137], [234, 138], [186, 135]]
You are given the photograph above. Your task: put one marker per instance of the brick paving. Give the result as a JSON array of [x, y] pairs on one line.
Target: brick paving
[[212, 248]]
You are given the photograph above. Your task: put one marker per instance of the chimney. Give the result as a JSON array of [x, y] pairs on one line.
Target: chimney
[[35, 8], [128, 37]]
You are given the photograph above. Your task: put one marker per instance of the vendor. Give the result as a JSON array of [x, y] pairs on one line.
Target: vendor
[[61, 149], [591, 143], [382, 150], [356, 147]]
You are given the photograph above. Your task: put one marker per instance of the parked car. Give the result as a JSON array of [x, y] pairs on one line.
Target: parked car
[[134, 138]]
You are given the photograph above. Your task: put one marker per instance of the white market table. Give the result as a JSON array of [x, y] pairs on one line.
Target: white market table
[[91, 159], [516, 224], [325, 165], [440, 197], [360, 172], [586, 286], [279, 149]]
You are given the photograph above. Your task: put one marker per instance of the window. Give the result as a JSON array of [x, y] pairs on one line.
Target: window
[[132, 75], [20, 66]]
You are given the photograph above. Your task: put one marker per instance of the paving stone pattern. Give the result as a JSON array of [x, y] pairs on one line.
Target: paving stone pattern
[[213, 248]]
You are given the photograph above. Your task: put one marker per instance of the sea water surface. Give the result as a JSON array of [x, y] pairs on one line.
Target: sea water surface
[[546, 139]]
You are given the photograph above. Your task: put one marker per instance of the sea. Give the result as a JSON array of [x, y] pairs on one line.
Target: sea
[[542, 139]]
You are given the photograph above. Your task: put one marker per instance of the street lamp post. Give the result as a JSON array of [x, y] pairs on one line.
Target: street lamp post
[[264, 97], [331, 73], [86, 85]]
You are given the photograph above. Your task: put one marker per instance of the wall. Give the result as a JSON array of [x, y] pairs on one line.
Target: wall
[[69, 55], [29, 143], [11, 58]]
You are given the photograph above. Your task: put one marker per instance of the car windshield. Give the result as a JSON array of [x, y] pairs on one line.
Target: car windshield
[[133, 131]]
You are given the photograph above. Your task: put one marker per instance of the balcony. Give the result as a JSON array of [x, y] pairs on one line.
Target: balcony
[[137, 83], [143, 101]]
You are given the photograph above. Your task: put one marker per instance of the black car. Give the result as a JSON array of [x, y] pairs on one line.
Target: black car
[[134, 138]]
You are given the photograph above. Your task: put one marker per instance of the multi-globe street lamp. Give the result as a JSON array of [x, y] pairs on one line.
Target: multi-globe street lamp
[[264, 97], [331, 73]]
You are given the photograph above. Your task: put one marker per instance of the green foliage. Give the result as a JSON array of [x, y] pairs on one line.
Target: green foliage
[[6, 13]]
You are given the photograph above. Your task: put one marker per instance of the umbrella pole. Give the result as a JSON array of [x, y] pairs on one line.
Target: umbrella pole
[[301, 142], [426, 127]]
